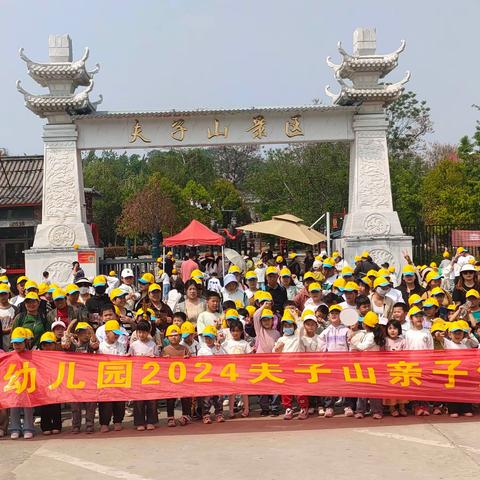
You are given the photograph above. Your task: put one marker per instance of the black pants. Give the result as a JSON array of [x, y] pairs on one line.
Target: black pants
[[459, 408], [186, 406], [208, 402], [51, 417], [145, 412], [107, 410]]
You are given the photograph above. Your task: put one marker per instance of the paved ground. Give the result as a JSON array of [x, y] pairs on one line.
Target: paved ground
[[254, 448]]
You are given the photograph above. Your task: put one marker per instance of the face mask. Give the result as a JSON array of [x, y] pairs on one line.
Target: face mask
[[381, 291], [288, 331], [84, 290]]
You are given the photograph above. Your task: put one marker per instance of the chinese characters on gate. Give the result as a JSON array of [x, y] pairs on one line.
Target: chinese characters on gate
[[258, 129]]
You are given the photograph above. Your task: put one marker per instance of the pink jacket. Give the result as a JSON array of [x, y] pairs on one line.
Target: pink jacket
[[265, 339]]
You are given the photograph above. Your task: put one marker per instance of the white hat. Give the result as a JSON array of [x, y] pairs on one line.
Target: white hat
[[468, 267], [317, 264], [57, 323], [310, 316], [127, 272]]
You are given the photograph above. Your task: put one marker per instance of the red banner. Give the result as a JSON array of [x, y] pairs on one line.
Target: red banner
[[37, 378]]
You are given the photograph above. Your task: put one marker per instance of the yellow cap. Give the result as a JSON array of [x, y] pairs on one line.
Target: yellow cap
[[432, 275], [71, 288], [347, 271], [319, 258], [113, 326], [266, 313], [271, 270], [381, 282], [308, 275], [292, 255], [287, 316], [472, 293], [335, 254], [231, 314], [58, 294], [328, 263], [314, 287], [279, 259], [4, 288], [414, 311], [187, 328], [472, 261], [250, 275], [339, 283], [174, 271], [99, 281], [159, 259], [366, 281], [357, 258], [372, 273], [209, 331], [335, 307], [383, 272], [116, 293], [199, 274], [42, 289], [234, 269], [141, 311], [439, 325], [18, 335], [262, 296], [82, 326], [21, 279], [433, 265], [147, 278], [408, 270], [452, 307], [285, 272], [414, 299], [169, 253], [370, 319], [350, 287], [238, 304], [250, 309], [446, 254], [173, 330], [112, 273], [391, 269], [460, 250], [154, 287], [455, 327], [48, 337], [430, 302], [31, 284], [437, 291], [32, 296], [28, 333], [365, 254], [3, 279], [463, 325]]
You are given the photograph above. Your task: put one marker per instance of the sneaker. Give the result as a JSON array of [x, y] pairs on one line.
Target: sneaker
[[321, 411], [311, 411], [220, 418], [454, 415], [437, 411], [418, 411], [288, 414], [225, 402], [140, 428], [264, 413], [468, 414], [47, 432], [403, 412], [303, 415], [359, 415], [207, 420], [329, 413], [425, 412], [377, 416], [55, 431], [15, 435], [117, 427], [348, 412], [171, 422], [28, 435], [89, 430], [150, 426], [104, 429]]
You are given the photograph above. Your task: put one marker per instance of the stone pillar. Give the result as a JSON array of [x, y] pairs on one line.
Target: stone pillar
[[63, 234], [371, 223]]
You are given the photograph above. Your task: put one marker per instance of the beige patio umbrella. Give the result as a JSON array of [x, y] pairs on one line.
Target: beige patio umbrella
[[287, 226]]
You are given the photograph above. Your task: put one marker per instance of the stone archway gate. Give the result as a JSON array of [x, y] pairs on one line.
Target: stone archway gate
[[357, 115]]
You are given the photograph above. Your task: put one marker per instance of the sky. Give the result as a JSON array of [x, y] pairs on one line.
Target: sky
[[161, 54]]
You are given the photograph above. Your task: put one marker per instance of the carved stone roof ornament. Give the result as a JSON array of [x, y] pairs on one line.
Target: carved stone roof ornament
[[363, 70], [61, 76]]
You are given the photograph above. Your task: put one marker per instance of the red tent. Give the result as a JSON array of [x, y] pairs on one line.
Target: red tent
[[195, 234]]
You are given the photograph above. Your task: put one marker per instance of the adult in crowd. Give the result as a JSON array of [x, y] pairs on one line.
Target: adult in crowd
[[410, 284], [77, 271], [20, 297], [188, 266], [127, 285], [233, 291], [278, 292], [84, 285], [380, 303], [364, 265], [308, 261], [169, 263], [98, 300], [192, 304], [294, 265], [143, 282], [466, 281], [62, 311]]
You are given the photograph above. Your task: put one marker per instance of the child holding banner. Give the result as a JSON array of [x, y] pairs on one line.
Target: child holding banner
[[18, 342]]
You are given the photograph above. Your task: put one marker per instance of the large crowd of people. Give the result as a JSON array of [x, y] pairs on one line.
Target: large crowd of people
[[270, 304]]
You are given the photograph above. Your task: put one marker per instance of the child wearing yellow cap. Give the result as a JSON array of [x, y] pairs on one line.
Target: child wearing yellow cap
[[7, 316], [176, 350]]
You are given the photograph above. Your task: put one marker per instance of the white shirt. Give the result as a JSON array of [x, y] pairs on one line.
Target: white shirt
[[17, 300], [260, 271], [418, 339], [450, 345], [204, 350], [363, 341], [313, 344], [395, 295], [214, 285], [207, 318], [143, 349], [115, 348], [194, 347], [100, 334], [173, 298], [233, 347], [237, 295], [291, 343]]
